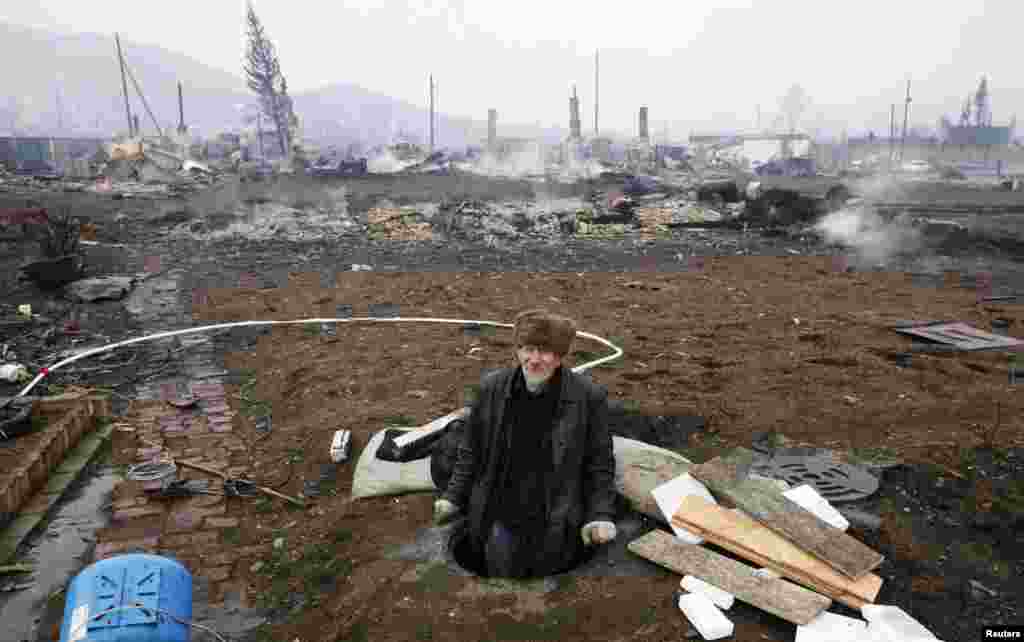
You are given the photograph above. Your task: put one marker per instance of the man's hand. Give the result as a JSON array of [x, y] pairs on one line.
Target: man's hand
[[598, 533], [444, 510]]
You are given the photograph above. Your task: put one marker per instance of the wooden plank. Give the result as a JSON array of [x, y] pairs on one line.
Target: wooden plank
[[430, 428], [759, 544], [803, 528], [776, 596]]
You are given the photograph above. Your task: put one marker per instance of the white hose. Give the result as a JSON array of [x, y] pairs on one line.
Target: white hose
[[173, 333]]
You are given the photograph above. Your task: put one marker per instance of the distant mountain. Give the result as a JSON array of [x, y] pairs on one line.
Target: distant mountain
[[80, 72], [82, 69]]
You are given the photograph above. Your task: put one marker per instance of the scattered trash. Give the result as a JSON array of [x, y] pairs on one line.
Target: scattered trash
[[103, 288], [25, 311], [340, 446], [180, 488], [961, 336], [14, 373], [979, 588], [722, 599], [263, 424]]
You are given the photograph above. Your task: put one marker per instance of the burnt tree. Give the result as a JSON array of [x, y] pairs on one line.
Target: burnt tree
[[263, 76]]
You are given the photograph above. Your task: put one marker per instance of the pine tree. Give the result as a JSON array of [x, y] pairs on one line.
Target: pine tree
[[263, 76]]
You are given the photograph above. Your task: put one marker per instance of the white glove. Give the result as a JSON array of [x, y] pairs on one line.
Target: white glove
[[598, 533], [444, 510]]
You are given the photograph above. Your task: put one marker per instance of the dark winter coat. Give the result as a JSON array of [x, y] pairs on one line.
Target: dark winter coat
[[582, 486]]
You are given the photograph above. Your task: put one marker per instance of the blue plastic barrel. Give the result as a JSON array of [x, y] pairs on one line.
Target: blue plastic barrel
[[151, 581]]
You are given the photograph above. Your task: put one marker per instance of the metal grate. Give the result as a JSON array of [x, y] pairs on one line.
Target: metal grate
[[834, 480]]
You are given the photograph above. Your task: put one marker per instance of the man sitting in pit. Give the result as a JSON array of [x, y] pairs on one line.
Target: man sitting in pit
[[534, 472]]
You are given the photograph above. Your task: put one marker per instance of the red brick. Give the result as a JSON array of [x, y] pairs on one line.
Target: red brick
[[183, 520], [106, 549], [191, 517], [221, 522], [123, 504], [207, 390], [138, 511], [189, 539]]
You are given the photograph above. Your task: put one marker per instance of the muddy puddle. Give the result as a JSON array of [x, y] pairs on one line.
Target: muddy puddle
[[57, 553]]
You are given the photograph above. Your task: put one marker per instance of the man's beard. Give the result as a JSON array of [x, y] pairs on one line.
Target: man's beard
[[534, 381]]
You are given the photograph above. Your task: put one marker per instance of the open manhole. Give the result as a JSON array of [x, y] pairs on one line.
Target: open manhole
[[834, 480], [461, 552]]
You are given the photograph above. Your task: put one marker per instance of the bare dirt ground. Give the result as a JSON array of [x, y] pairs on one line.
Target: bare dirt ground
[[739, 359], [753, 344]]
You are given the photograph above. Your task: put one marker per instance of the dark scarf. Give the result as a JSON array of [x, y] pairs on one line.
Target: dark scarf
[[519, 499]]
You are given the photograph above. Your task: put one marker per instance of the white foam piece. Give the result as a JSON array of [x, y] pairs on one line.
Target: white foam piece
[[892, 622], [832, 627], [811, 501], [670, 495], [705, 616], [722, 599]]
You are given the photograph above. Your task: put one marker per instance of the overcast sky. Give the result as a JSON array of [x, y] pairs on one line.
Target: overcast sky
[[688, 60]]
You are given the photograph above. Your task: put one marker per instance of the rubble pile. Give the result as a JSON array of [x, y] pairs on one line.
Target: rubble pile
[[506, 222], [129, 170], [397, 224], [271, 221]]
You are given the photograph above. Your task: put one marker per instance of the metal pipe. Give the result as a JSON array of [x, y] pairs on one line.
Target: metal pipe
[[144, 103], [124, 88]]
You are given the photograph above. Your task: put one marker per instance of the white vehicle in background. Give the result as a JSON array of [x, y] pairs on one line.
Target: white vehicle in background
[[916, 167]]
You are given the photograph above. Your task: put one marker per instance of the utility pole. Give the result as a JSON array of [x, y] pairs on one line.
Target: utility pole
[[124, 88], [431, 113], [597, 92], [60, 115], [181, 112], [144, 102], [906, 115], [892, 133]]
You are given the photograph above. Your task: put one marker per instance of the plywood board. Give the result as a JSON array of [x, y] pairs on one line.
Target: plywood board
[[776, 596], [755, 542], [961, 335], [831, 545]]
